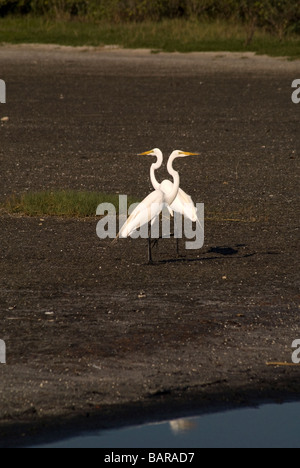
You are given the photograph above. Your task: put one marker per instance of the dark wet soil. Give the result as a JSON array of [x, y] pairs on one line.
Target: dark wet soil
[[90, 328]]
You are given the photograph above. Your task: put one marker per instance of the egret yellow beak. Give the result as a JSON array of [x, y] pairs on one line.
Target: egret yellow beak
[[185, 153], [147, 152]]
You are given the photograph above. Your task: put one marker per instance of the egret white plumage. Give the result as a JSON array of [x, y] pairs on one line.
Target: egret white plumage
[[183, 203], [150, 208]]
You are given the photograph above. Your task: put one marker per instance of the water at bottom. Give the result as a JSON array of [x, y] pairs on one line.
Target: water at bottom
[[268, 426]]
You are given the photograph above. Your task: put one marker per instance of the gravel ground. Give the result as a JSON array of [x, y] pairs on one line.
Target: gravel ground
[[90, 328]]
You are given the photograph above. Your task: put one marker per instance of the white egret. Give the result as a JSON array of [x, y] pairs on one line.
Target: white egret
[[150, 208], [183, 203]]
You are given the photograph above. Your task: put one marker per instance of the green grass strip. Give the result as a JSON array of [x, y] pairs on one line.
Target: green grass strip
[[168, 35], [65, 203]]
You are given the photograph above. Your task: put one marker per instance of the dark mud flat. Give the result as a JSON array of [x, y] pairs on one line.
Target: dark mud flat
[[95, 336]]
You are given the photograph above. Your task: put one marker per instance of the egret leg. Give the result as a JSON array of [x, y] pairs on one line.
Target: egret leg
[[150, 260], [176, 236], [155, 242], [177, 247]]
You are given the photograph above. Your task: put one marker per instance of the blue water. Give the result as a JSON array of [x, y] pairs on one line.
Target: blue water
[[269, 426]]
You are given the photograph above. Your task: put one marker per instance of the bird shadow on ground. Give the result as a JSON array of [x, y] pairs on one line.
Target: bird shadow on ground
[[220, 253]]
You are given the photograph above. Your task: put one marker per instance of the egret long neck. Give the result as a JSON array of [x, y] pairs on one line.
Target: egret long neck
[[154, 167], [176, 180]]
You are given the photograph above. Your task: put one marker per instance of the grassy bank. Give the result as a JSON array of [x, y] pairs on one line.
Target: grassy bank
[[83, 204], [168, 35], [66, 203]]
